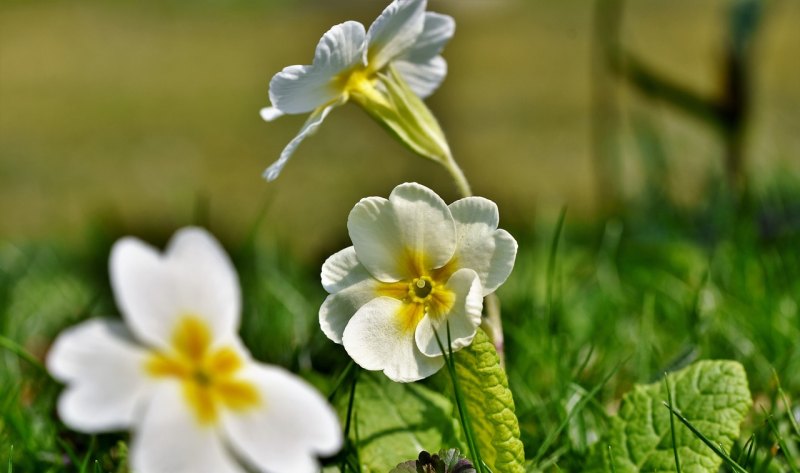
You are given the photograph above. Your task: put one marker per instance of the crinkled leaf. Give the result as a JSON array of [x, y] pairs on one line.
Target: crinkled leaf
[[490, 405], [712, 395], [396, 421]]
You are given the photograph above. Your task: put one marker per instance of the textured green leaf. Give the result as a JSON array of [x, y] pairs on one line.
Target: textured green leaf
[[490, 405], [712, 395], [396, 421]]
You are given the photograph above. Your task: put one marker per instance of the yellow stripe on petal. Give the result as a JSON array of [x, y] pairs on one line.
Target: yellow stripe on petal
[[395, 290], [201, 400], [224, 362], [237, 395], [409, 315], [191, 338], [440, 302], [160, 366]]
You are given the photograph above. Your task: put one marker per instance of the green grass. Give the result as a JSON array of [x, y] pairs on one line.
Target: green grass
[[588, 311]]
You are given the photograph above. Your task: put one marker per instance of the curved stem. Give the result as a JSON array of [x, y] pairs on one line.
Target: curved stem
[[458, 176]]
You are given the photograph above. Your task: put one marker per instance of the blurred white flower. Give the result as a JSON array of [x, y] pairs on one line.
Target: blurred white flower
[[385, 70], [176, 374], [415, 266]]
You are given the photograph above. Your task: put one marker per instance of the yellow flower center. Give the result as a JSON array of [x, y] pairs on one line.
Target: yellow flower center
[[207, 376], [426, 292], [359, 83]]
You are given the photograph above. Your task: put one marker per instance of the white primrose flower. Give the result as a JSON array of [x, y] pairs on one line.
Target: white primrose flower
[[385, 70], [176, 374], [416, 265]]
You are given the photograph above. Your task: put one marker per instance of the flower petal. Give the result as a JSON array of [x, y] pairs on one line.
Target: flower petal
[[341, 270], [464, 318], [423, 78], [394, 32], [193, 278], [404, 236], [170, 440], [436, 32], [270, 113], [309, 128], [102, 367], [377, 339], [350, 285], [295, 424], [482, 247], [424, 222], [301, 89]]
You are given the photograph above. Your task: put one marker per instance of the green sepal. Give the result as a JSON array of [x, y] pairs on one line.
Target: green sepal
[[393, 104]]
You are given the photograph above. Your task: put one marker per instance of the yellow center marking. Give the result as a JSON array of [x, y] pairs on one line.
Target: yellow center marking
[[208, 376], [425, 292]]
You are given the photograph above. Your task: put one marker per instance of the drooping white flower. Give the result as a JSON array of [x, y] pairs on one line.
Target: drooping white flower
[[175, 373], [400, 52], [415, 266]]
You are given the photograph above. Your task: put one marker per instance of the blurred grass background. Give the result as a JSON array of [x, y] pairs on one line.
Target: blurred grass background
[[140, 112]]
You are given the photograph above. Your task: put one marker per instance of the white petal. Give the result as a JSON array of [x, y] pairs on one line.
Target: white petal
[[424, 222], [423, 78], [464, 318], [389, 236], [339, 308], [301, 89], [193, 278], [350, 285], [295, 425], [270, 113], [436, 32], [169, 439], [394, 32], [482, 247], [309, 128], [373, 229], [376, 340], [341, 270], [103, 369]]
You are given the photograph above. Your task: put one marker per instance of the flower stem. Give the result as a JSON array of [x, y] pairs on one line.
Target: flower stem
[[458, 176]]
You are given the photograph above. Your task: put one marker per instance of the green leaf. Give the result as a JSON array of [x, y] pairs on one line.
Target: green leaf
[[712, 395], [393, 422], [490, 405]]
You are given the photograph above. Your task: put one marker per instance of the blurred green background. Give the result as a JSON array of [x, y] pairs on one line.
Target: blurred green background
[[146, 112]]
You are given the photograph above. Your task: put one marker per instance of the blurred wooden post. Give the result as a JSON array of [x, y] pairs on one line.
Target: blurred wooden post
[[728, 112], [605, 107]]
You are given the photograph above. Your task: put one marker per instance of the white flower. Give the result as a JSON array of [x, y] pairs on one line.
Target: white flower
[[351, 63], [177, 375], [415, 266]]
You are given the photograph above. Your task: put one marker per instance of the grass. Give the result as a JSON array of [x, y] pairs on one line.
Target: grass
[[623, 301]]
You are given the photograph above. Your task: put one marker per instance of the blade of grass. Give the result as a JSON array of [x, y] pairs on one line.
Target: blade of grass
[[22, 353], [578, 407], [786, 404], [349, 418], [340, 380], [747, 450], [672, 425], [462, 414], [611, 459], [715, 448], [551, 267], [787, 454]]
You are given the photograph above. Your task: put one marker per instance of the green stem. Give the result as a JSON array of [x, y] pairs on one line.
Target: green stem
[[458, 176]]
